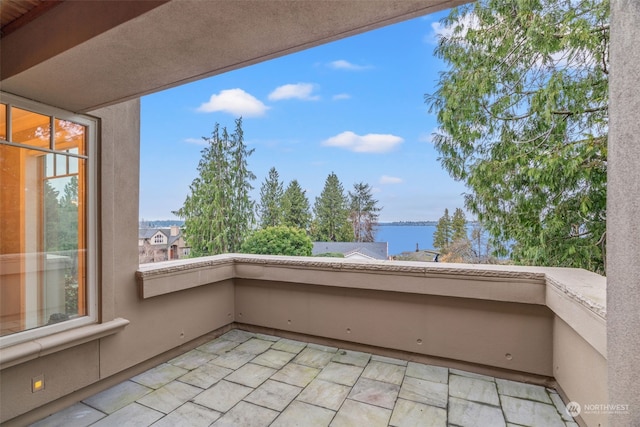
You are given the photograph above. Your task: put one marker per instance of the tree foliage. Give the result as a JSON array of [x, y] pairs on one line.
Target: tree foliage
[[332, 213], [459, 226], [522, 111], [443, 233], [295, 206], [271, 206], [218, 212], [281, 240], [364, 213]]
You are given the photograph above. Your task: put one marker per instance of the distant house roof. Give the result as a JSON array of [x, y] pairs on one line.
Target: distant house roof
[[373, 250], [147, 233]]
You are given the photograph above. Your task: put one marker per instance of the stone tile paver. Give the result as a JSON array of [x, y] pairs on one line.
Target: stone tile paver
[[374, 392], [413, 414], [222, 396], [254, 380], [246, 414], [422, 391], [313, 357], [238, 335], [218, 346], [470, 374], [78, 415], [169, 397], [116, 397], [132, 415], [233, 359], [349, 357], [274, 395], [474, 389], [530, 413], [251, 375], [523, 391], [357, 414], [192, 359], [300, 414], [290, 346], [189, 415], [435, 374], [560, 406], [254, 346], [340, 374], [387, 372], [391, 360], [294, 374], [325, 394], [325, 348], [274, 358], [205, 376], [464, 413], [159, 376]]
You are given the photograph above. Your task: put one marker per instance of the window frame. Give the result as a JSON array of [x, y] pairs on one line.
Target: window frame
[[91, 156]]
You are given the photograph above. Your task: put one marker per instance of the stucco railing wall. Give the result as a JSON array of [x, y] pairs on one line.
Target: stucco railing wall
[[518, 322]]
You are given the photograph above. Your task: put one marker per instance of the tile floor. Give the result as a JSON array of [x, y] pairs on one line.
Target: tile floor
[[252, 380]]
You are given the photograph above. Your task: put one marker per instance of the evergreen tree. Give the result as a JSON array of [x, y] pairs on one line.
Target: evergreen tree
[[364, 213], [68, 228], [443, 233], [295, 206], [523, 122], [270, 207], [331, 210], [459, 226], [218, 212]]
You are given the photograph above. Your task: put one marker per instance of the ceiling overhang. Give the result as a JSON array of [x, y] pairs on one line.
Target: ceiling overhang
[[83, 55]]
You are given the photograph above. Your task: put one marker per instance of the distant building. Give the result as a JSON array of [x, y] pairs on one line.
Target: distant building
[[161, 244], [353, 250]]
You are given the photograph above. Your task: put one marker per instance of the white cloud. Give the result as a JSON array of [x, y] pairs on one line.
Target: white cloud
[[467, 22], [301, 91], [197, 141], [342, 64], [341, 96], [236, 102], [386, 179], [370, 143]]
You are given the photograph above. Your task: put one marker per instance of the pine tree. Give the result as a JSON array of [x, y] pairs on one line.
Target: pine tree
[[523, 121], [295, 206], [364, 213], [218, 212], [331, 210], [459, 226], [443, 233], [271, 198]]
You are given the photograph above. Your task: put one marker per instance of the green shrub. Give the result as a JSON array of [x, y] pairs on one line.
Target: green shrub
[[279, 240]]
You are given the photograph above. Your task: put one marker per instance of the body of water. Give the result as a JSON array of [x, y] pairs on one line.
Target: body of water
[[403, 238]]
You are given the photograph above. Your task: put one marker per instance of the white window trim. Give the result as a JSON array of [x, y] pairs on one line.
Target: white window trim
[[91, 124]]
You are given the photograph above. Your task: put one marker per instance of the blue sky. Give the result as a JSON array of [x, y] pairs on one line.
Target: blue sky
[[354, 107]]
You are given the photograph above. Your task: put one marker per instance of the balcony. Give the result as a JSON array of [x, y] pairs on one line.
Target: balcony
[[495, 327], [253, 379]]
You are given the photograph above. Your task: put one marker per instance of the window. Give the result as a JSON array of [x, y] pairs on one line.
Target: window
[[158, 239], [47, 255]]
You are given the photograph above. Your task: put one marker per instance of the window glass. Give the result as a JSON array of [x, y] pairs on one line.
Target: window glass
[[30, 128], [3, 121], [43, 249], [69, 135]]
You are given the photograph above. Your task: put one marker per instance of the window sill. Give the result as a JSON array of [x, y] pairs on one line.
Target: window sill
[[20, 353]]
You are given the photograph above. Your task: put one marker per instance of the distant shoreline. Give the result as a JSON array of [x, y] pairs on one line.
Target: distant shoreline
[[412, 223]]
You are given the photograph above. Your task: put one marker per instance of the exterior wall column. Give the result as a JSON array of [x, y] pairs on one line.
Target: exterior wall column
[[623, 214]]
